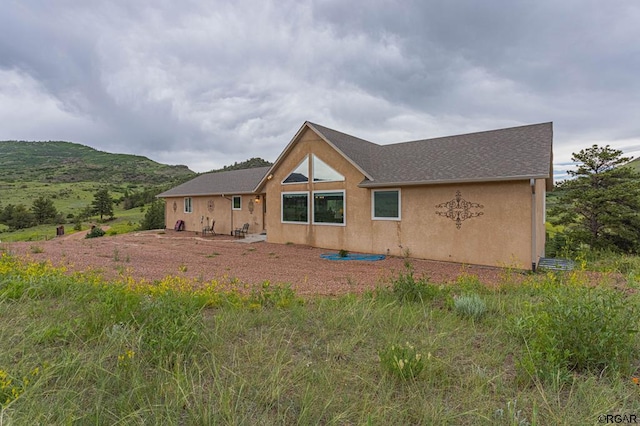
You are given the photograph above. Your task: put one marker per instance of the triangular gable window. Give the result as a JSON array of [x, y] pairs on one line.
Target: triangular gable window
[[322, 172], [300, 174]]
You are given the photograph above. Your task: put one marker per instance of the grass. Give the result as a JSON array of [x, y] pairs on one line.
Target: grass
[[68, 198], [125, 221], [82, 350]]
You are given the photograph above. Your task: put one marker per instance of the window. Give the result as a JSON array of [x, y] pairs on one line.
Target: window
[[322, 172], [386, 205], [300, 174], [295, 207], [237, 202], [187, 205], [328, 207]]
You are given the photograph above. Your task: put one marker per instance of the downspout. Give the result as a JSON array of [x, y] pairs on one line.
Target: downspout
[[534, 259]]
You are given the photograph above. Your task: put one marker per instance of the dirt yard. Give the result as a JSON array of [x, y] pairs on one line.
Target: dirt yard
[[154, 255]]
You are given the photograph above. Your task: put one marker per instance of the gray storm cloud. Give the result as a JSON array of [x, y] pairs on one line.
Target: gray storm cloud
[[208, 83]]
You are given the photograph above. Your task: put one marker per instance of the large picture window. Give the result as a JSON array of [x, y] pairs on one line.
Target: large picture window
[[386, 204], [188, 208], [328, 207], [295, 207]]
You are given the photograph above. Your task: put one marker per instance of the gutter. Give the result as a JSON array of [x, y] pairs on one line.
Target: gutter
[[373, 184]]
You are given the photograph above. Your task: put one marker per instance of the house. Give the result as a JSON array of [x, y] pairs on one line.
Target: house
[[229, 198], [476, 198]]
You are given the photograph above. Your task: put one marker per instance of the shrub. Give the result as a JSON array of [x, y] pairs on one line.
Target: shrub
[[95, 232], [402, 361], [470, 306], [578, 328], [154, 217]]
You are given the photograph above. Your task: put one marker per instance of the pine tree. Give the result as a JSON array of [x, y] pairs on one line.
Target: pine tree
[[154, 217], [102, 203], [43, 210], [600, 204]]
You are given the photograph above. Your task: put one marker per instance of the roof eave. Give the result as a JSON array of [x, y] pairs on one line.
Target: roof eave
[[374, 184], [346, 157], [288, 148], [208, 194]]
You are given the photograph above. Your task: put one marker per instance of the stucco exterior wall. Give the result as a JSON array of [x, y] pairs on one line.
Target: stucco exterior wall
[[218, 208], [500, 235]]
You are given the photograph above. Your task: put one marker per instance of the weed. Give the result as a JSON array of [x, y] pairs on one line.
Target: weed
[[116, 255], [403, 361], [407, 288], [279, 296], [343, 253], [182, 268], [470, 306], [578, 328], [36, 249], [512, 416]]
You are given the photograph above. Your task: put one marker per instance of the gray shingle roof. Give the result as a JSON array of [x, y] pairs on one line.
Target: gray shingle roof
[[233, 182], [358, 151], [515, 153]]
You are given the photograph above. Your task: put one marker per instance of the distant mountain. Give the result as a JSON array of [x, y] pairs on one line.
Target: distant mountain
[[247, 164], [59, 162]]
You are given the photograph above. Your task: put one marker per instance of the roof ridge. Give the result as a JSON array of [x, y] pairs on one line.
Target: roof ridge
[[469, 134], [321, 127]]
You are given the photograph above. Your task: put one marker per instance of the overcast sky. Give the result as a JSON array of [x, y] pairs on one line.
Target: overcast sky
[[206, 83]]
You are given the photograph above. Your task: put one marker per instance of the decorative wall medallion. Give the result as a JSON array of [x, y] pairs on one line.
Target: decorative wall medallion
[[175, 206], [459, 209], [210, 205], [250, 206]]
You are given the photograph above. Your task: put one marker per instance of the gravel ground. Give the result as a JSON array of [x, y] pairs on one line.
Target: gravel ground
[[154, 255]]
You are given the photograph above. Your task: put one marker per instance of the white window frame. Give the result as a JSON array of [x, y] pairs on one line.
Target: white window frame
[[188, 205], [309, 177], [233, 202], [313, 171], [344, 207], [373, 204], [282, 194]]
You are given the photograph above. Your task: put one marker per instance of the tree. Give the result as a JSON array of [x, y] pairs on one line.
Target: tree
[[20, 217], [154, 217], [102, 203], [43, 210], [600, 204]]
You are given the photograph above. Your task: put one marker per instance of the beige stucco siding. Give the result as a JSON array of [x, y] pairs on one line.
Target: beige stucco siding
[[315, 235], [499, 236], [218, 208]]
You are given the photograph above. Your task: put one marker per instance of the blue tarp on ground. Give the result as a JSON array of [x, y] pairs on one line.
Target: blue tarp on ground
[[353, 256]]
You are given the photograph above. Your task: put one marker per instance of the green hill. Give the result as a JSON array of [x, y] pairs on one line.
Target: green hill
[[634, 164], [64, 162]]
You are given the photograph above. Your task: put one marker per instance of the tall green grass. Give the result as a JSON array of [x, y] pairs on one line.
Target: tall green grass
[[81, 350]]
